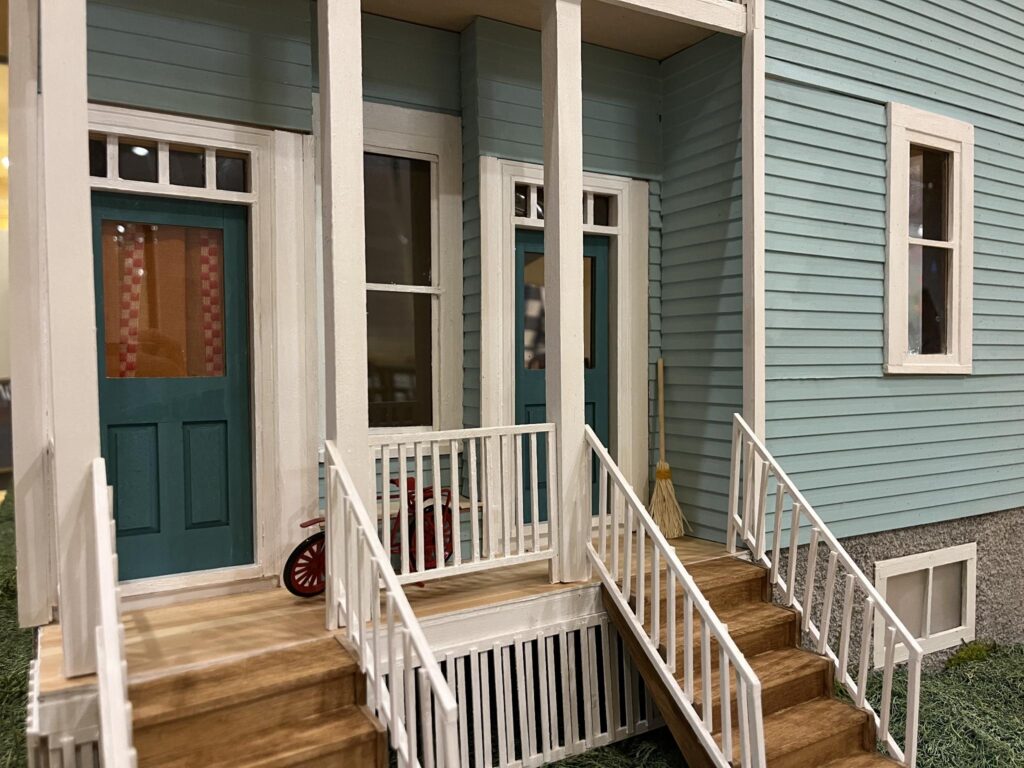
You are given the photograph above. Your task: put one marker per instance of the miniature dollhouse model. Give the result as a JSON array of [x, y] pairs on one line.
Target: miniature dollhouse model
[[365, 300]]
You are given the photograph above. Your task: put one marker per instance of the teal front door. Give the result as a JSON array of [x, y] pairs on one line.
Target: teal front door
[[172, 315], [530, 348]]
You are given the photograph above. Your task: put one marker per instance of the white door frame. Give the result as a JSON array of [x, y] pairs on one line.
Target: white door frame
[[628, 385], [283, 325]]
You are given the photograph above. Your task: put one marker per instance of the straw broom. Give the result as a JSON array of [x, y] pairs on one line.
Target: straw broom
[[663, 507]]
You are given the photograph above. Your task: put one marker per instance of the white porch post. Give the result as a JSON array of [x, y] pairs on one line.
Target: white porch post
[[67, 232], [341, 116], [563, 275]]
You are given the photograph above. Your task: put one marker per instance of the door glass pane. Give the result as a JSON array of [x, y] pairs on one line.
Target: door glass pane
[[163, 300], [947, 597], [399, 351], [929, 189], [398, 213], [928, 285], [533, 311], [588, 312]]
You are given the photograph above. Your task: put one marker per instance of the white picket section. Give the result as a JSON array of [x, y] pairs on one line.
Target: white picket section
[[626, 529], [753, 469], [111, 668], [494, 480], [404, 684]]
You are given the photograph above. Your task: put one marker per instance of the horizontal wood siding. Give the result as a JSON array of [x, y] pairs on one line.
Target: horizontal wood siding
[[700, 276], [245, 61], [410, 65], [875, 452], [470, 235]]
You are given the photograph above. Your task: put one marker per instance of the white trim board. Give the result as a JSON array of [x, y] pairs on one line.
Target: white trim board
[[630, 434], [282, 302]]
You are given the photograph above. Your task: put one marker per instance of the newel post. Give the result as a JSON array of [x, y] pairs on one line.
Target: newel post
[[563, 274]]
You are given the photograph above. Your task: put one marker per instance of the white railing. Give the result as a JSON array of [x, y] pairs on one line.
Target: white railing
[[495, 487], [111, 667], [753, 468], [405, 686], [632, 557]]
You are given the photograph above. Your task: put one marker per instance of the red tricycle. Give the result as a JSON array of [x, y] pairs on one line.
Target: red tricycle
[[304, 572]]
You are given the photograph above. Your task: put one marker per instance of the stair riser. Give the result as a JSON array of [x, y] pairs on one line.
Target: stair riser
[[751, 643], [796, 690], [721, 598], [836, 744], [208, 730], [366, 755]]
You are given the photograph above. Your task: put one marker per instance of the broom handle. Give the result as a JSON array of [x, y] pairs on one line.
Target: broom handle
[[661, 408]]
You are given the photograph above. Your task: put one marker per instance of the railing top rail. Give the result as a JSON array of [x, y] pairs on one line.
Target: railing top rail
[[445, 697], [672, 562], [377, 439], [825, 533]]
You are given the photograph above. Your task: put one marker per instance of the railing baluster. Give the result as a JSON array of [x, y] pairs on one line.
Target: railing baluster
[[435, 483], [762, 509], [616, 526], [627, 570], [474, 501], [780, 505], [742, 715], [826, 605], [455, 501], [426, 720], [725, 697], [671, 622], [507, 493], [865, 650], [748, 491], [913, 712], [519, 488], [602, 509], [706, 705], [656, 596], [410, 696], [553, 541], [885, 709], [812, 568], [688, 645], [641, 573], [734, 488], [794, 547], [843, 660], [420, 537], [385, 497], [534, 493], [393, 676], [403, 512]]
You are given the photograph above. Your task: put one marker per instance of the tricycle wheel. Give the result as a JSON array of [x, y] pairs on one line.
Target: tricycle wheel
[[304, 573]]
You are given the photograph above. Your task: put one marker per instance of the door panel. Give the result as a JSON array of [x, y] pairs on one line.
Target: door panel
[[530, 332], [172, 314]]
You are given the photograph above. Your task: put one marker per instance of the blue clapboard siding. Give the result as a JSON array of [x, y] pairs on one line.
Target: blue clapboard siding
[[501, 108], [244, 61], [410, 65], [700, 274], [873, 452]]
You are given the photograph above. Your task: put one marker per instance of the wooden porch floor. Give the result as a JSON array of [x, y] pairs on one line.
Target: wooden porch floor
[[170, 639]]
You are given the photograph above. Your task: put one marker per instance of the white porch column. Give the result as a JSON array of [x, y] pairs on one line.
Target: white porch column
[[341, 121], [563, 275], [66, 221]]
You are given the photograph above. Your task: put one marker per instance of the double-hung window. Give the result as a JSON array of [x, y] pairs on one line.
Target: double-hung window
[[412, 194], [930, 252]]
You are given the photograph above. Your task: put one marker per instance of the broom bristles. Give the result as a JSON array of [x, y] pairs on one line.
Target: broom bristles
[[664, 508]]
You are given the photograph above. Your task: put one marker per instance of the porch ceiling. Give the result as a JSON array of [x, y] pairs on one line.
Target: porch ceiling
[[603, 24]]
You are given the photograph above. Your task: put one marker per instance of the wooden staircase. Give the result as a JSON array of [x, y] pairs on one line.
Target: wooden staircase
[[805, 726], [302, 704]]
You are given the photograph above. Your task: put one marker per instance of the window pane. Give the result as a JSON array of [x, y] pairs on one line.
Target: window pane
[[522, 199], [533, 311], [929, 190], [928, 285], [399, 351], [98, 156], [906, 595], [947, 597], [602, 210], [398, 213], [232, 172], [136, 160], [539, 213], [163, 300], [188, 166]]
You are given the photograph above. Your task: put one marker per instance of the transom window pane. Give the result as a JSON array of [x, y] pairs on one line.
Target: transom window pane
[[399, 350], [187, 166], [163, 300], [136, 160], [232, 171], [928, 285], [602, 210], [398, 212], [929, 193], [98, 156]]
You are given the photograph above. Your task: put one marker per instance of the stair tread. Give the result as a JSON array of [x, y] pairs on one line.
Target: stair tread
[[222, 685], [751, 616], [794, 728], [290, 743], [862, 760], [773, 668], [723, 571]]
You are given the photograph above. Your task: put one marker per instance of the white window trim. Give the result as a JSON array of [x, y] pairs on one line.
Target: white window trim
[[628, 386], [282, 299], [913, 126], [886, 569], [436, 137]]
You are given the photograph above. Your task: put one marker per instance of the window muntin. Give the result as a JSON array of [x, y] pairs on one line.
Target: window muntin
[[929, 259], [402, 290]]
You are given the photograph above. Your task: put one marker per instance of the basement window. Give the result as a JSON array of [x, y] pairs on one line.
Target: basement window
[[933, 594]]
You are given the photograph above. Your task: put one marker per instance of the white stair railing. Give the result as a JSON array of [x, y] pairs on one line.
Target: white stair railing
[[492, 483], [111, 668], [753, 468], [405, 687], [632, 556]]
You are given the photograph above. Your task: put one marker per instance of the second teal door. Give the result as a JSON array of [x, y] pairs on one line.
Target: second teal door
[[530, 331], [172, 315]]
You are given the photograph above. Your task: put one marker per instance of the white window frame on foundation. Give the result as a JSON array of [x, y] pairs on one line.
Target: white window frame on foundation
[[283, 300], [929, 561], [437, 138], [628, 386], [909, 126]]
